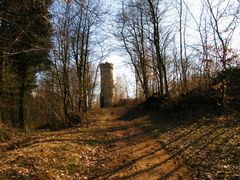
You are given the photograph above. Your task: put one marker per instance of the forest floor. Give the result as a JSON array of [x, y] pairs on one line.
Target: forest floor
[[128, 143]]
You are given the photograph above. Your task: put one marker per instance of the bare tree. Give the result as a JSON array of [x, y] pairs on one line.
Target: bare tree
[[87, 17], [224, 21], [75, 65], [132, 33], [146, 42], [160, 42]]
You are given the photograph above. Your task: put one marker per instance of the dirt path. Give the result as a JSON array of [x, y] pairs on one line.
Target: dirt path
[[113, 147], [136, 151]]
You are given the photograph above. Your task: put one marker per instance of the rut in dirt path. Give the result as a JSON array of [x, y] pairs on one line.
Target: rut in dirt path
[[135, 151]]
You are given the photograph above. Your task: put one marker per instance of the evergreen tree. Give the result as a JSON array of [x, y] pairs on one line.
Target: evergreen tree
[[25, 36]]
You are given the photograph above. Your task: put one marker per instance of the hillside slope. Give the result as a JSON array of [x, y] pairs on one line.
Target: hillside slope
[[128, 142]]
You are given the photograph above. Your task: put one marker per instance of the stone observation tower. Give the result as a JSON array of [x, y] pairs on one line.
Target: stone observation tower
[[106, 97]]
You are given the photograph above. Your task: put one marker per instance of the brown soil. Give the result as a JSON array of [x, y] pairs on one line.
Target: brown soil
[[113, 146]]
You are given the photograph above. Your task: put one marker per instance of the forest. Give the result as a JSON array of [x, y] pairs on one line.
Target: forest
[[175, 111]]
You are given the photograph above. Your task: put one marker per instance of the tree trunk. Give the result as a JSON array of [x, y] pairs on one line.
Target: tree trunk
[[22, 89], [156, 42], [1, 89], [165, 81], [183, 65]]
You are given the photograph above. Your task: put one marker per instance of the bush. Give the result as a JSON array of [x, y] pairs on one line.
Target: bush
[[6, 133], [155, 103], [232, 86], [196, 101]]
